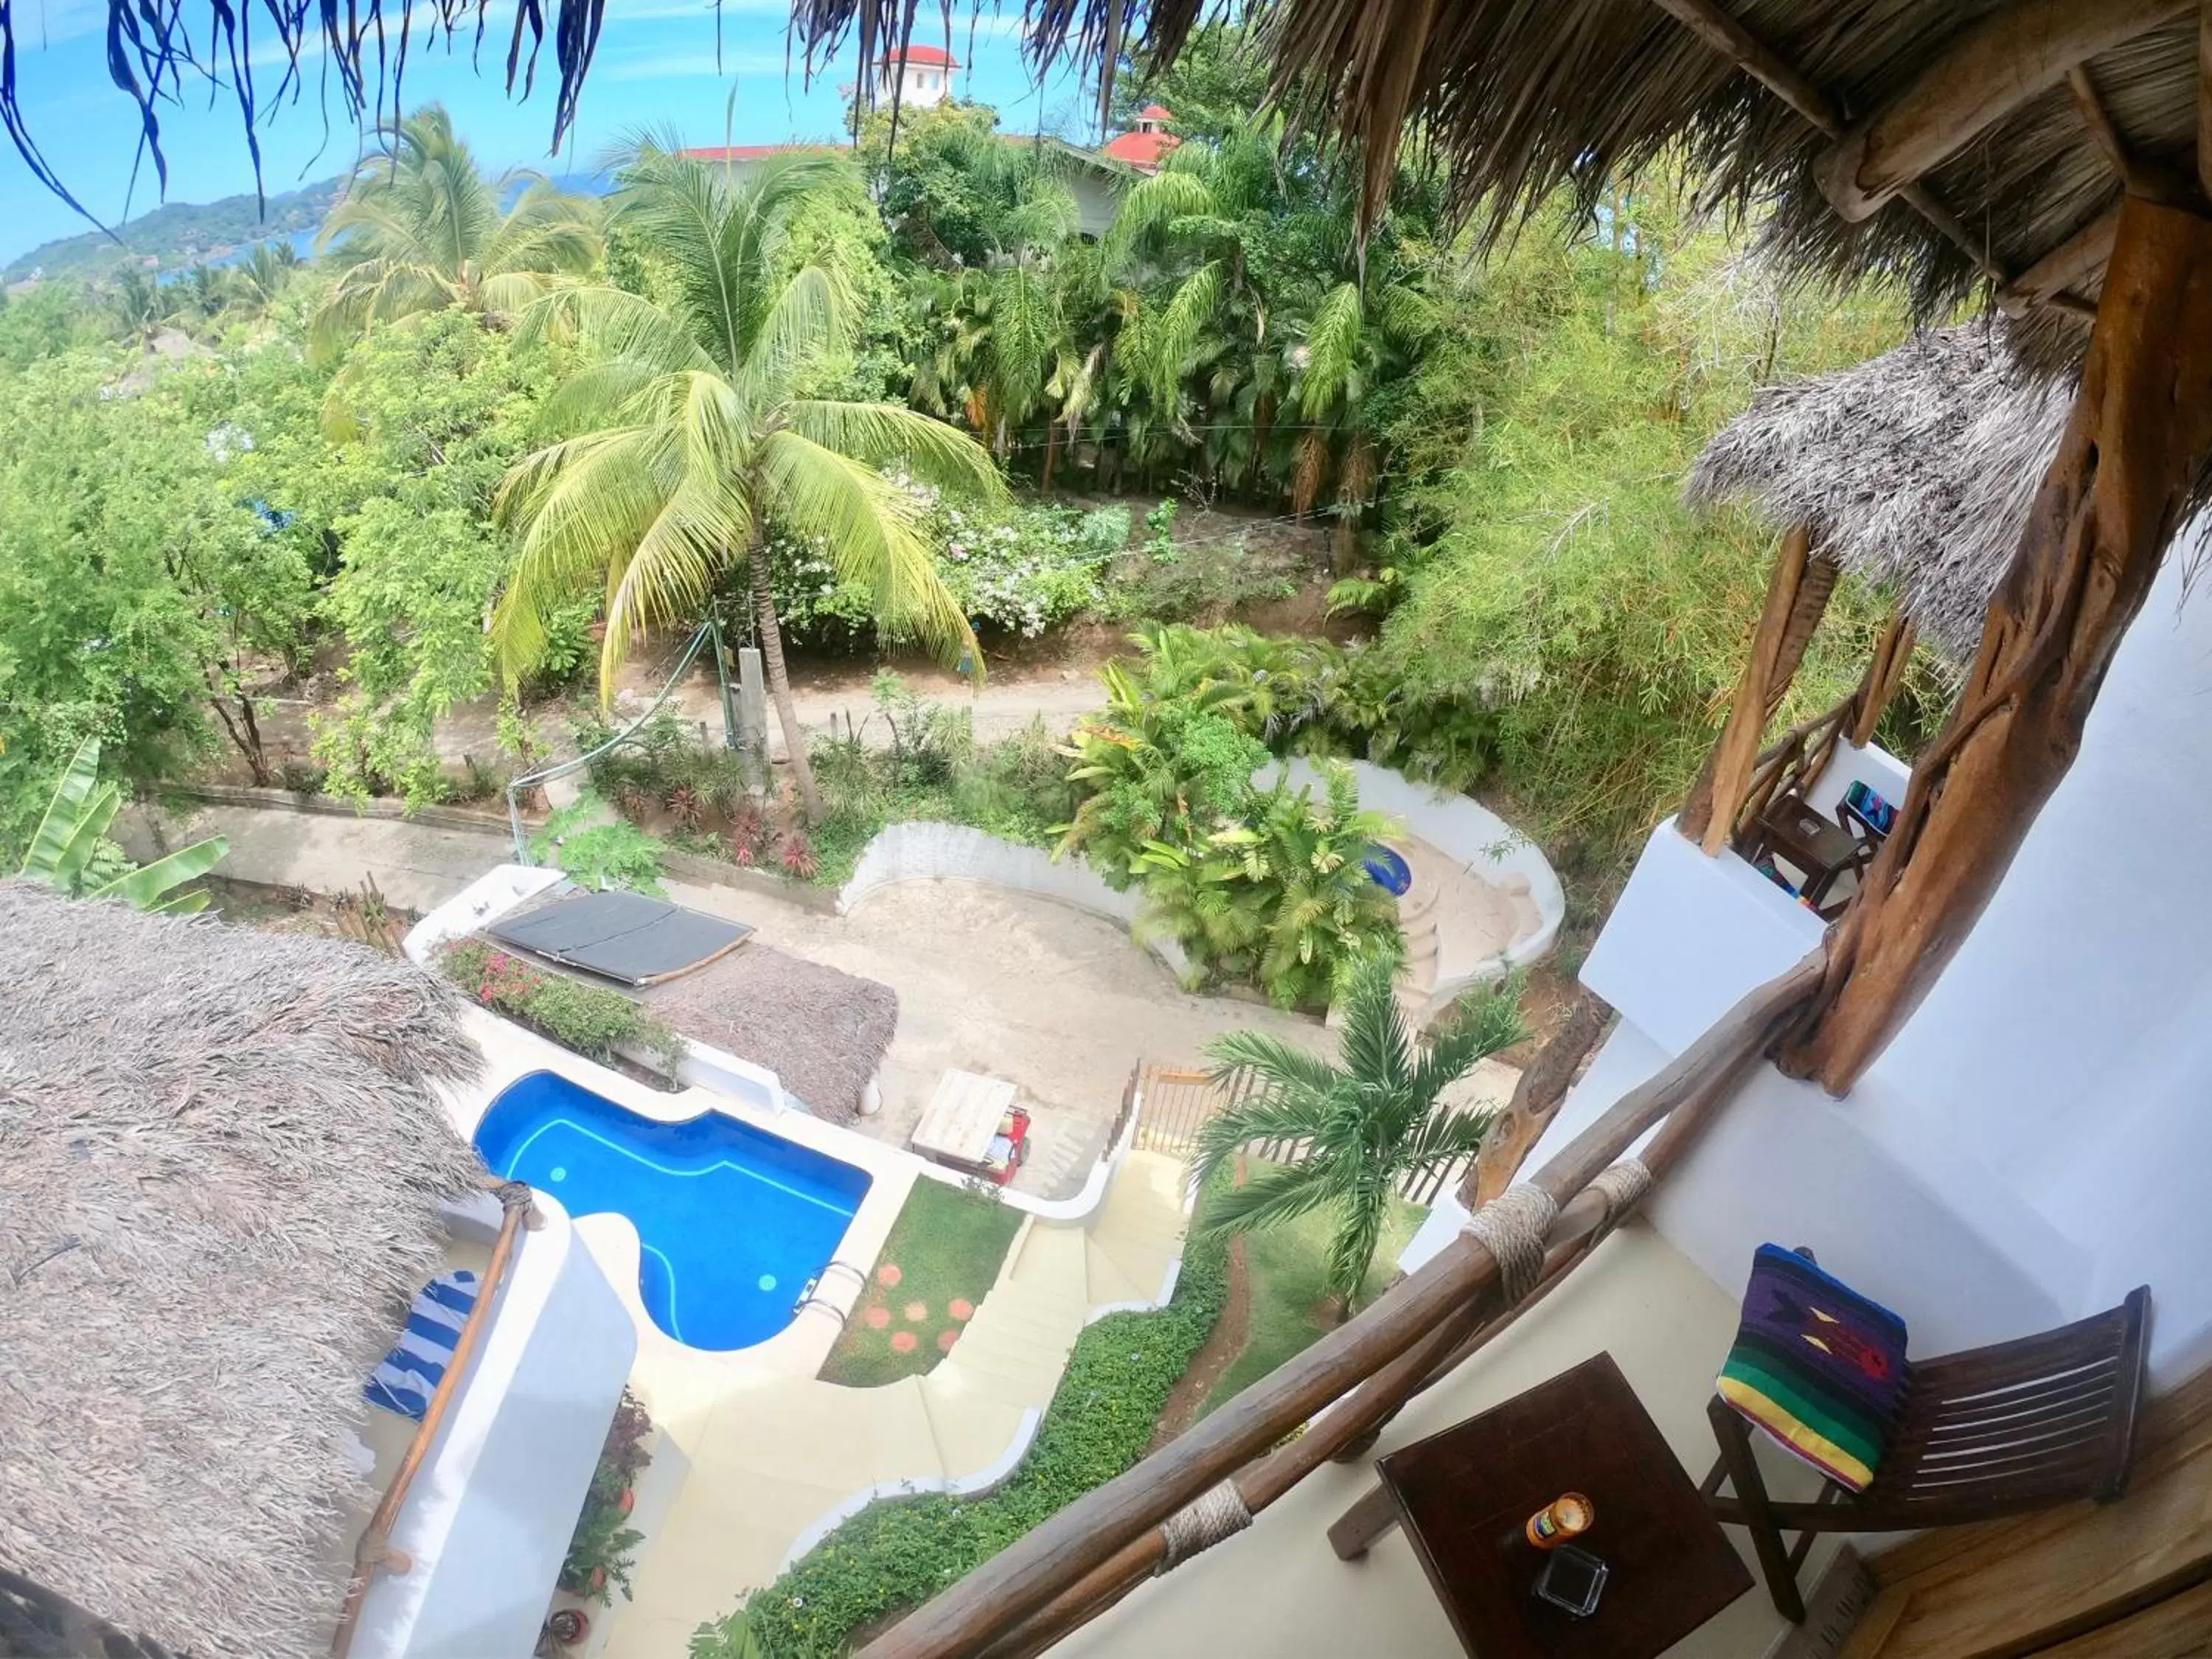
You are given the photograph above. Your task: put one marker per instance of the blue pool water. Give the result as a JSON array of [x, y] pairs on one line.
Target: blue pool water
[[733, 1221]]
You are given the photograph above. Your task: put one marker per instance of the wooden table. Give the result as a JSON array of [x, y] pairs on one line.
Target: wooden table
[[1463, 1495], [965, 1113], [1822, 849]]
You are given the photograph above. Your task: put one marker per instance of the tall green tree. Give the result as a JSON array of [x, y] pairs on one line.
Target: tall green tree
[[1359, 1126], [693, 432], [421, 228]]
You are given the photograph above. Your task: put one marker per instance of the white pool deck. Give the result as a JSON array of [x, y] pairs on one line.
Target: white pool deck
[[757, 1458]]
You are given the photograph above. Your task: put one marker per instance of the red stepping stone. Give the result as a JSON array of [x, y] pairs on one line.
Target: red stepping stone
[[889, 1273], [962, 1310], [916, 1312], [877, 1318], [947, 1337], [904, 1342]]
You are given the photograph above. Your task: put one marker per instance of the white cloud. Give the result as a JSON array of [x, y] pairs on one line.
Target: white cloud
[[692, 65]]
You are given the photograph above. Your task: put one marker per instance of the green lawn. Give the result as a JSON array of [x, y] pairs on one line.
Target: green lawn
[[942, 1255], [1286, 1272]]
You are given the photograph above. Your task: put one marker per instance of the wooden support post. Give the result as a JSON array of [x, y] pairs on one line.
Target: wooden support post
[[1893, 653], [2139, 438], [1536, 1097], [1797, 596]]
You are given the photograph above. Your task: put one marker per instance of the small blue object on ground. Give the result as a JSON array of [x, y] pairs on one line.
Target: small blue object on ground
[[1389, 870]]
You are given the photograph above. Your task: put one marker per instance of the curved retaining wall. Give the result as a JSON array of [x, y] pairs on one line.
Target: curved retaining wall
[[953, 852]]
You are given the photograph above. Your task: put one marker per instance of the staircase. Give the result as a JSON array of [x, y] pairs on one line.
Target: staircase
[[771, 1456], [1416, 983]]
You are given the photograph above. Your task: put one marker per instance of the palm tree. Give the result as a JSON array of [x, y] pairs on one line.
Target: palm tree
[[692, 436], [420, 227], [1359, 1127], [263, 278]]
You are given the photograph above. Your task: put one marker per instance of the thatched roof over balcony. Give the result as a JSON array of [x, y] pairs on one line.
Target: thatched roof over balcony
[[1914, 471], [221, 1169]]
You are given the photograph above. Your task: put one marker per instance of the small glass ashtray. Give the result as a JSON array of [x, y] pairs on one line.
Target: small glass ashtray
[[1573, 1580]]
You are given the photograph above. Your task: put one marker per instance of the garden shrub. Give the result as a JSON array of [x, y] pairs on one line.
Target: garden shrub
[[1016, 570], [599, 855], [592, 1019], [897, 1554], [933, 769]]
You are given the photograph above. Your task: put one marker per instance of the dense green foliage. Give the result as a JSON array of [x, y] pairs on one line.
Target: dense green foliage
[[1360, 1126], [1258, 879], [897, 1553], [595, 849], [942, 1258], [593, 1020], [1494, 440], [932, 768]]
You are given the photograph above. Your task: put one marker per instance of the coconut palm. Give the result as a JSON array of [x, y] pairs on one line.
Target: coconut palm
[[420, 227], [692, 436], [1359, 1127]]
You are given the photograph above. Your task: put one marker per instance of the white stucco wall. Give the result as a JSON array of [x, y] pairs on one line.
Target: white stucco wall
[[2032, 1145], [953, 852], [488, 1519]]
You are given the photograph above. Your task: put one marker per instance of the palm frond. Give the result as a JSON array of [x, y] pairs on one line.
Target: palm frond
[[930, 450], [869, 527], [1273, 1193]]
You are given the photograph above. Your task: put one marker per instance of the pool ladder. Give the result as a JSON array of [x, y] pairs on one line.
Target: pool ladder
[[811, 1297]]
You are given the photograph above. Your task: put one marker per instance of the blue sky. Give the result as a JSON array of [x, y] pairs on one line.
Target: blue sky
[[655, 67]]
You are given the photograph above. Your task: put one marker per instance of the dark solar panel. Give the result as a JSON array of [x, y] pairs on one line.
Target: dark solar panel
[[623, 936]]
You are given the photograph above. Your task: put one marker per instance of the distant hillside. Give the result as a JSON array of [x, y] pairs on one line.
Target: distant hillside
[[179, 233]]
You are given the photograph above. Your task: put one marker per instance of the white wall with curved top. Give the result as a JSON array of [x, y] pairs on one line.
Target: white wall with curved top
[[923, 851], [488, 1520], [1483, 843]]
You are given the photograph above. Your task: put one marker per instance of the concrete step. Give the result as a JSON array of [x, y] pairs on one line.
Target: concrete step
[[1110, 1284], [955, 1386]]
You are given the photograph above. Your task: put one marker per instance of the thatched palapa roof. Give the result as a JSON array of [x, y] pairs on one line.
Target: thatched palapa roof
[[823, 1031], [220, 1171], [1915, 471]]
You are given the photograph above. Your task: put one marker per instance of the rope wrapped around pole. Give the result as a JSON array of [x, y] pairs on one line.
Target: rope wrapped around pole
[[1216, 1514], [1622, 1185], [1513, 1227]]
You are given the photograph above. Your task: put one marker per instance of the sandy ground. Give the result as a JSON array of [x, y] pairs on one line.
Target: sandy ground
[[1058, 1002]]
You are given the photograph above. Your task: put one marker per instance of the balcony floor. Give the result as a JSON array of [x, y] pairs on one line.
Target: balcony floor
[[1278, 1589]]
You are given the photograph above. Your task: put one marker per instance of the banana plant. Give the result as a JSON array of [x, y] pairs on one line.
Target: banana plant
[[71, 851]]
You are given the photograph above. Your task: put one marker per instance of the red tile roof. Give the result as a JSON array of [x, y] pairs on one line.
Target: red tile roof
[[928, 57], [1154, 112], [1145, 151]]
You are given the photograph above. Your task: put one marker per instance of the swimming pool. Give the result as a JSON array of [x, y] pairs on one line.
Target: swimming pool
[[733, 1222]]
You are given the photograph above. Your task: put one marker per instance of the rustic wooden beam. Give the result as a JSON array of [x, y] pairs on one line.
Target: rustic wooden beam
[[1536, 1099], [1988, 71], [2079, 256], [2139, 438], [1708, 816], [2204, 100], [1722, 32], [1053, 1558], [1892, 652], [2098, 121]]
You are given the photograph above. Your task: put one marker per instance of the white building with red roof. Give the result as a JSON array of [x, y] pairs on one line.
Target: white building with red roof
[[1147, 144], [921, 76]]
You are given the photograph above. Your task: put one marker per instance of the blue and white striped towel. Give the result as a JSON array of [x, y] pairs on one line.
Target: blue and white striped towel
[[410, 1373]]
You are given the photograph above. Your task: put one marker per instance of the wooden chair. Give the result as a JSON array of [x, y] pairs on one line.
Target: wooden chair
[[1999, 1431]]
